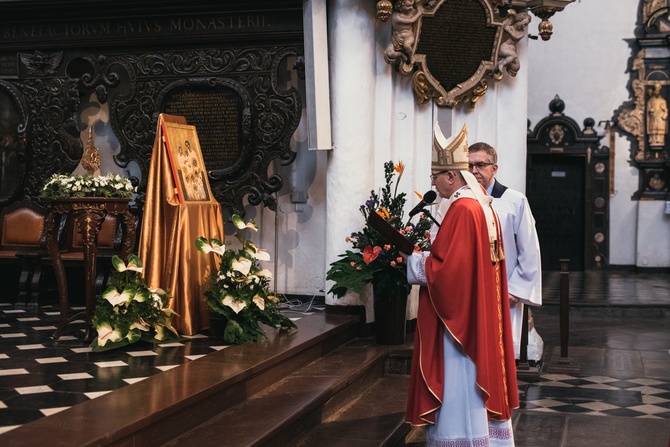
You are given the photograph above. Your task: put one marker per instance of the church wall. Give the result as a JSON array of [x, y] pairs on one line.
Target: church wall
[[653, 252], [375, 118], [585, 62]]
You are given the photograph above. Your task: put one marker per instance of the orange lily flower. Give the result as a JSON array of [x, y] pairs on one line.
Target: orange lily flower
[[383, 212]]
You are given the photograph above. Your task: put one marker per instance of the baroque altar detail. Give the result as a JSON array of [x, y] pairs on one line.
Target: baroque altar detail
[[644, 118], [234, 71]]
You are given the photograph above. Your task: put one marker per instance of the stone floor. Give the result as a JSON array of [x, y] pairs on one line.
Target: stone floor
[[614, 390]]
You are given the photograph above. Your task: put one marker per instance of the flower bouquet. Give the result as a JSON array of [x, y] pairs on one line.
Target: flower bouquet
[[372, 259], [129, 311], [240, 287], [61, 186]]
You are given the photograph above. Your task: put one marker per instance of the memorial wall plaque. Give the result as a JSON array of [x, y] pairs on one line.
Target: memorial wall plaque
[[451, 47], [8, 67], [455, 41], [217, 114]]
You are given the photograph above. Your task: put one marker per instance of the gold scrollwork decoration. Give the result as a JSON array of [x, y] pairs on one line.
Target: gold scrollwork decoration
[[478, 91], [421, 87], [88, 206]]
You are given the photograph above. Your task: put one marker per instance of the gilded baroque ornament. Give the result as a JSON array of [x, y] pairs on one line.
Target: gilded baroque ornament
[[452, 48], [644, 117], [631, 119]]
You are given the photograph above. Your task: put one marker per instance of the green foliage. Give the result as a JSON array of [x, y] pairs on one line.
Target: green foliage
[[239, 290], [128, 311], [373, 260]]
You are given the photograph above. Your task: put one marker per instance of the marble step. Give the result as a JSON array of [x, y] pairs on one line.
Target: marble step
[[346, 383], [162, 407]]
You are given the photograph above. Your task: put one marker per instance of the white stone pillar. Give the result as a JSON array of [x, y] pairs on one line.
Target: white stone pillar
[[351, 168]]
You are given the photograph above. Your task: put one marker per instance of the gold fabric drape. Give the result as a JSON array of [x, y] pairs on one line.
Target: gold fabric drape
[[167, 241]]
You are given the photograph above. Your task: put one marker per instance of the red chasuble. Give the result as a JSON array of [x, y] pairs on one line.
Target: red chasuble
[[466, 295]]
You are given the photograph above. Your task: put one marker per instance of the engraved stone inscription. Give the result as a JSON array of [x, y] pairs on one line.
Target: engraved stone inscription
[[217, 116], [8, 66], [455, 41], [151, 28]]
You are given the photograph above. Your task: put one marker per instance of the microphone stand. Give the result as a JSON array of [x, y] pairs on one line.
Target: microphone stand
[[427, 213]]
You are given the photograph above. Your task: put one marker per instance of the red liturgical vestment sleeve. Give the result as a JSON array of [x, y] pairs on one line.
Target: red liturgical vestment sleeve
[[464, 296]]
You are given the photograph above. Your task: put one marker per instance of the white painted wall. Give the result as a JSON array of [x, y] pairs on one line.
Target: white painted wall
[[653, 233], [375, 118]]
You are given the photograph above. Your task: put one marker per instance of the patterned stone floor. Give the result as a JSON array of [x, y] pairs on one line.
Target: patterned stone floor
[[40, 376], [624, 361]]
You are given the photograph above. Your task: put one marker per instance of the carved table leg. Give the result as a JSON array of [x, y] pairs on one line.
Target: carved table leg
[[51, 234], [128, 227], [89, 222]]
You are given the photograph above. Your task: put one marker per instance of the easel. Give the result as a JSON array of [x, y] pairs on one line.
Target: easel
[[170, 227]]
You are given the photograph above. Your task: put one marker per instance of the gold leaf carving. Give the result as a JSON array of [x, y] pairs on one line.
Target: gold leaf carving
[[421, 87]]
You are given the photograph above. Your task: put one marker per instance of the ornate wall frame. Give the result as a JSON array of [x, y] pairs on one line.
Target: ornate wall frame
[[452, 49], [13, 143]]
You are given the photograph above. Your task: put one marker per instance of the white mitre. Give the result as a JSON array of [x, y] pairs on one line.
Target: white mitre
[[451, 154]]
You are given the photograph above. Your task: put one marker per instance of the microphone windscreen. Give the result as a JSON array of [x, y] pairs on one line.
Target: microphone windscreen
[[429, 196]]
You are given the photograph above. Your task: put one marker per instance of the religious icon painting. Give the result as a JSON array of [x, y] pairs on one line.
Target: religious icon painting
[[188, 167]]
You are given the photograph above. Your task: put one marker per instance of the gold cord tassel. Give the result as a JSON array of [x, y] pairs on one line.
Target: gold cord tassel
[[497, 254]]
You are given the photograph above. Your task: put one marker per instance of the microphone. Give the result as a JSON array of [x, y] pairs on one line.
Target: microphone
[[428, 198]]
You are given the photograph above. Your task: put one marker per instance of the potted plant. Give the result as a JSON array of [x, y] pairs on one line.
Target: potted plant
[[240, 292], [128, 311], [373, 261]]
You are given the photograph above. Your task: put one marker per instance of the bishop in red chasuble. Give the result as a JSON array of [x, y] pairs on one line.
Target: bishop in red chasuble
[[463, 381]]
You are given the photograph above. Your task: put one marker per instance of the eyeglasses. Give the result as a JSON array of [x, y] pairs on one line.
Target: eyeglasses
[[434, 176], [481, 165]]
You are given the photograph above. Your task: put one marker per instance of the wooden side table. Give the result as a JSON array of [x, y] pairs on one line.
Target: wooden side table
[[88, 214]]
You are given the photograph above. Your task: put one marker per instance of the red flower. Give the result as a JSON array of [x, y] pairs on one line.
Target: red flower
[[370, 254]]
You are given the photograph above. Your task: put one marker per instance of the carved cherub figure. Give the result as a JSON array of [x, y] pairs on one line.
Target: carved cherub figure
[[515, 28], [403, 22]]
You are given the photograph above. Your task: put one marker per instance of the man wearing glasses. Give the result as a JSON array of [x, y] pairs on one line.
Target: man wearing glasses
[[522, 248]]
